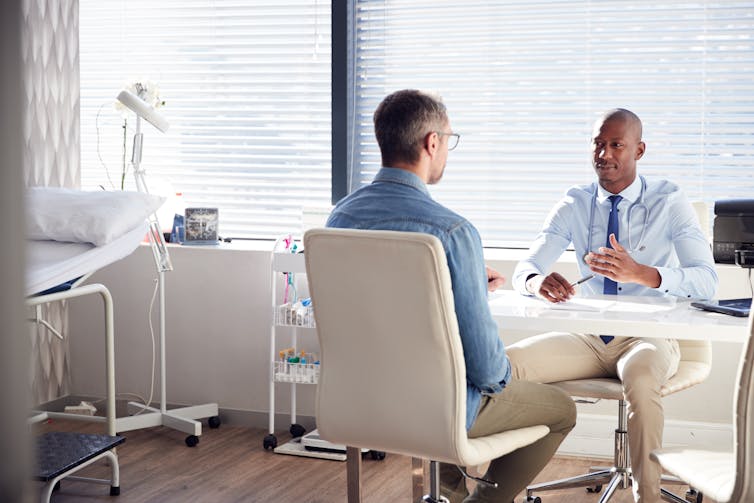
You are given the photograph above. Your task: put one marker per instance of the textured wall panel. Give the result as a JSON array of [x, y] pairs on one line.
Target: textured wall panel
[[50, 53], [51, 88]]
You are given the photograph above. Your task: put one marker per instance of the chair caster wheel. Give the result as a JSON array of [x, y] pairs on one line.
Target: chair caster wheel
[[533, 499], [594, 489], [269, 442], [377, 455], [213, 422], [694, 496], [297, 430], [192, 440]]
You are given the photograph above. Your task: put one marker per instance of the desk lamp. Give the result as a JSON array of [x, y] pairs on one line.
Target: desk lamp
[[182, 419]]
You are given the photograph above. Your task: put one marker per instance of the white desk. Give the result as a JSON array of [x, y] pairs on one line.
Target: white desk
[[665, 317]]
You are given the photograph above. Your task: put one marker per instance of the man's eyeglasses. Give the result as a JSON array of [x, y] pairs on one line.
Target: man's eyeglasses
[[453, 139]]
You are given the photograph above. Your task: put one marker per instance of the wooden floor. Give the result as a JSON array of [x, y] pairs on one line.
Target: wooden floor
[[230, 465]]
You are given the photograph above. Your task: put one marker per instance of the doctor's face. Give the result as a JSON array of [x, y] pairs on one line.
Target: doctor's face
[[616, 146]]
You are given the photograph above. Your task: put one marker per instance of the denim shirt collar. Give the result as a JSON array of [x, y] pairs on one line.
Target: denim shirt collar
[[401, 176]]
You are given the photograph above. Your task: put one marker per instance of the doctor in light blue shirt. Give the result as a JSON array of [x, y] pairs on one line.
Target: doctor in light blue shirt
[[636, 237], [659, 230]]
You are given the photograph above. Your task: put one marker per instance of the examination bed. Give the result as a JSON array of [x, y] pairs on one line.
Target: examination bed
[[70, 235]]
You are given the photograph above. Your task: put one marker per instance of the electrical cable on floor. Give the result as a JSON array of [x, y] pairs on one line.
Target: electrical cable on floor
[[141, 399]]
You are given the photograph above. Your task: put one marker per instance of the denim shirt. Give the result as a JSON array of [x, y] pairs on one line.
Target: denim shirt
[[398, 200]]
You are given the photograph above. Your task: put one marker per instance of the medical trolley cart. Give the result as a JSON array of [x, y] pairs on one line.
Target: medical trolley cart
[[291, 312]]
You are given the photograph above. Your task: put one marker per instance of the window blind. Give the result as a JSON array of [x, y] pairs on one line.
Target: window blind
[[246, 86], [525, 80]]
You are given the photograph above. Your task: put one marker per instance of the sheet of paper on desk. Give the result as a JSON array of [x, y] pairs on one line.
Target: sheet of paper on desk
[[636, 307], [582, 304]]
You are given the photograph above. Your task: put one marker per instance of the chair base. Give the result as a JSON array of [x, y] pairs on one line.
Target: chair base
[[692, 496], [617, 475], [594, 481]]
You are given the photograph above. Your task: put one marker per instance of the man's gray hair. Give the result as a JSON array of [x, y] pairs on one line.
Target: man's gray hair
[[402, 121]]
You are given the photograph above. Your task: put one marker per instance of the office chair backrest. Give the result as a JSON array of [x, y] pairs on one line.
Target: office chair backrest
[[702, 214], [743, 489], [393, 376], [694, 367]]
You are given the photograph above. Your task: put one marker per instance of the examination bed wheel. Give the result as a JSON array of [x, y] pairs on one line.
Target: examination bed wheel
[[192, 440], [533, 499], [694, 496], [269, 442], [297, 430], [214, 422], [594, 489]]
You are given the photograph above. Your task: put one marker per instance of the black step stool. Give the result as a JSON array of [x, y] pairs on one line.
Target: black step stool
[[59, 454]]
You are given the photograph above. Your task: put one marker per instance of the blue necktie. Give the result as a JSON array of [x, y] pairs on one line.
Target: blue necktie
[[611, 287]]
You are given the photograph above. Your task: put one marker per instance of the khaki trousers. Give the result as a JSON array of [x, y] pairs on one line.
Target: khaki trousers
[[520, 404], [642, 365]]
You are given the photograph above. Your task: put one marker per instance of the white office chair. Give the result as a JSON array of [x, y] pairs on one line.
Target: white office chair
[[393, 376], [694, 367], [702, 214], [724, 476]]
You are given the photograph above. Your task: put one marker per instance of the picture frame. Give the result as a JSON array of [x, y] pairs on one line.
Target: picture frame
[[200, 226]]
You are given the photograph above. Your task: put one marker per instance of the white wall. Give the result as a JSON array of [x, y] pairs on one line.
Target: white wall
[[218, 334], [15, 441]]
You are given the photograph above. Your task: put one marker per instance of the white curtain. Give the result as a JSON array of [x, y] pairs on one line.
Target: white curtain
[[50, 54]]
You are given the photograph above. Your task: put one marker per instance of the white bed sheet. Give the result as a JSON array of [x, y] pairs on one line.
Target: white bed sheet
[[50, 263]]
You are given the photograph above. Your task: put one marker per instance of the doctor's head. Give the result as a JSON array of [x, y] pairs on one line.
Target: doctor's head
[[413, 132], [616, 146]]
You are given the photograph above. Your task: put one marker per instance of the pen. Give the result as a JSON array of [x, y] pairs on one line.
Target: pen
[[583, 280]]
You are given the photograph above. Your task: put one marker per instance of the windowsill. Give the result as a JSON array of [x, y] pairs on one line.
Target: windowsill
[[262, 245], [511, 255], [265, 245]]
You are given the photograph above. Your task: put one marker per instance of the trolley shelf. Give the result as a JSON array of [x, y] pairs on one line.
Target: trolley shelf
[[300, 373], [287, 315]]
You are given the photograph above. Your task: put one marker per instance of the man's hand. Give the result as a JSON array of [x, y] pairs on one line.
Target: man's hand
[[494, 279], [617, 264], [553, 287]]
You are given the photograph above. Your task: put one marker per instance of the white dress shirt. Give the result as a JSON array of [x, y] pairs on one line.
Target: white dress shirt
[[658, 226]]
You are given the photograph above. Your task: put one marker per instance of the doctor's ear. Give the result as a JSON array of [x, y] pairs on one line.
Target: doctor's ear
[[640, 149]]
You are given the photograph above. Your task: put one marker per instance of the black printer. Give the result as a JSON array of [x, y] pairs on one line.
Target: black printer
[[733, 232]]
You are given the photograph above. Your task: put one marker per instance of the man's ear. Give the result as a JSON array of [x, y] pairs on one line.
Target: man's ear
[[640, 149], [431, 143]]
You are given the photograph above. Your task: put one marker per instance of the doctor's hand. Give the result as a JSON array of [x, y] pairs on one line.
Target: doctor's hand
[[494, 279], [617, 264], [553, 287]]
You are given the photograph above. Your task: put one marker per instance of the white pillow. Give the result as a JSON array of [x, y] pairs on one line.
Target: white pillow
[[78, 216]]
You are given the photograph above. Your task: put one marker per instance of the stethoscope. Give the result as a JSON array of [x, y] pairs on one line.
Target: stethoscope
[[639, 203]]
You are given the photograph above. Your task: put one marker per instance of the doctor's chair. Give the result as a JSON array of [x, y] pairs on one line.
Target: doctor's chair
[[727, 477], [694, 367], [393, 376]]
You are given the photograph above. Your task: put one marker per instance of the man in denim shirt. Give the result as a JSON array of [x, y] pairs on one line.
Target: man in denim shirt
[[414, 135]]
